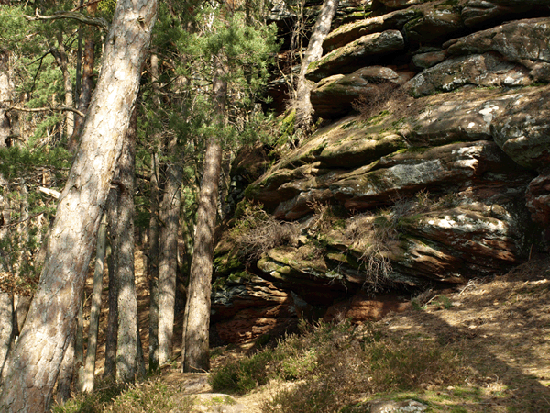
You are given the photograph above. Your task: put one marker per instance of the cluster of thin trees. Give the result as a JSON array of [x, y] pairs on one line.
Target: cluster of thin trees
[[169, 103]]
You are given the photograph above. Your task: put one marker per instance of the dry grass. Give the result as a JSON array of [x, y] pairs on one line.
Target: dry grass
[[257, 232], [385, 97]]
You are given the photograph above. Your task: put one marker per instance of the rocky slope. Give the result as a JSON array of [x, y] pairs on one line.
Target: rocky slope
[[429, 167]]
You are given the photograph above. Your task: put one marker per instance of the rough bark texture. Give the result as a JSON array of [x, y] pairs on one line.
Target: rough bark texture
[[170, 213], [197, 318], [62, 60], [304, 109], [33, 366], [112, 318], [89, 363], [127, 341], [87, 86], [66, 373], [7, 323], [153, 267], [6, 92]]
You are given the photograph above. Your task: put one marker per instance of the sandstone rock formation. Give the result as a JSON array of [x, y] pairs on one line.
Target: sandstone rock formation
[[429, 169]]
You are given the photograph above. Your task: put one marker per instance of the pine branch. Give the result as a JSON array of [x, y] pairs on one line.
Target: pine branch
[[46, 108], [92, 21]]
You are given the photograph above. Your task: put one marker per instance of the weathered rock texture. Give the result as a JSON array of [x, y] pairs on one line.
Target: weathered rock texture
[[432, 170]]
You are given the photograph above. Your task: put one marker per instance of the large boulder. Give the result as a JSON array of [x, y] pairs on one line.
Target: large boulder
[[334, 95], [359, 53], [517, 41], [488, 69], [347, 33]]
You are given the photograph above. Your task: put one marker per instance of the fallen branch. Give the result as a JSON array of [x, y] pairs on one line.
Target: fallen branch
[[46, 108], [92, 21], [50, 192]]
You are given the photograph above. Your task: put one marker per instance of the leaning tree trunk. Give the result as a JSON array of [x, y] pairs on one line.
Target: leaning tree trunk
[[304, 109], [195, 340], [127, 340], [33, 365]]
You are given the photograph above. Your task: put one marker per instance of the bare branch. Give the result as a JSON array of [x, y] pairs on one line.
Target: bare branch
[[92, 21], [46, 108], [50, 192]]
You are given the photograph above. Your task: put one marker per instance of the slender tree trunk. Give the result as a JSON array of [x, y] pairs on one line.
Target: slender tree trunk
[[33, 365], [153, 236], [89, 363], [304, 110], [112, 318], [127, 340], [87, 86], [63, 62], [66, 374], [168, 263], [153, 264], [196, 356], [6, 93], [7, 324]]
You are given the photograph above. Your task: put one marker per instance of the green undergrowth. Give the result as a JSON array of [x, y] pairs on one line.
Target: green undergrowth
[[330, 366], [151, 396]]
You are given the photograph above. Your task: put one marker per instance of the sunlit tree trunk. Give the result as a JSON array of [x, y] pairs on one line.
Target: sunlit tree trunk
[[33, 365], [304, 109], [7, 324], [86, 88], [195, 346], [66, 374], [112, 318], [168, 263], [127, 341], [153, 266], [89, 363], [63, 61]]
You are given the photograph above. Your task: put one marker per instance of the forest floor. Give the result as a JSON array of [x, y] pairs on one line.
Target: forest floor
[[498, 329]]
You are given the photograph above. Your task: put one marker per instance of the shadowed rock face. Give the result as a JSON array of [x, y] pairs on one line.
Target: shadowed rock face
[[443, 179]]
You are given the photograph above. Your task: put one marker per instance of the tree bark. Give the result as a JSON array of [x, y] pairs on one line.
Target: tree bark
[[66, 374], [7, 324], [168, 263], [112, 318], [87, 86], [153, 266], [89, 363], [304, 109], [63, 62], [127, 341], [195, 351], [33, 365]]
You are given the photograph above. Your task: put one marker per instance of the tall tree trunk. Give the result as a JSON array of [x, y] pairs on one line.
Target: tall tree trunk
[[168, 262], [66, 374], [89, 363], [33, 365], [112, 318], [153, 236], [87, 86], [6, 92], [7, 325], [63, 62], [195, 346], [304, 109], [153, 266], [127, 340]]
